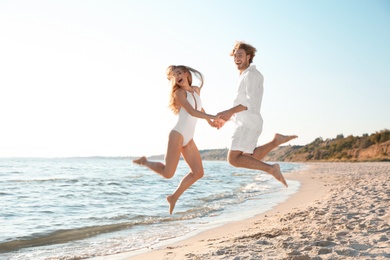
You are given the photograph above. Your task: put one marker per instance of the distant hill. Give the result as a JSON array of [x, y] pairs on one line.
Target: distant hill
[[374, 147], [214, 154], [208, 154]]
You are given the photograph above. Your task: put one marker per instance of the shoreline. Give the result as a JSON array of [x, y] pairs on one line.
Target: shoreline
[[340, 211]]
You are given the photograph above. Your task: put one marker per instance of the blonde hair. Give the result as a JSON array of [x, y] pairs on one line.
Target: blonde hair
[[170, 70], [249, 50]]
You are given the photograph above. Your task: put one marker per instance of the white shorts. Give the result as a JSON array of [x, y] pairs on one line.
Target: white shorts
[[245, 140]]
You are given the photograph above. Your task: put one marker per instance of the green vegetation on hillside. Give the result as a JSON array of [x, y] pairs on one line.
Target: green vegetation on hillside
[[374, 147], [340, 148]]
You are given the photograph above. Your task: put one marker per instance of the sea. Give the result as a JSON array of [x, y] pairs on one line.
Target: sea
[[95, 207]]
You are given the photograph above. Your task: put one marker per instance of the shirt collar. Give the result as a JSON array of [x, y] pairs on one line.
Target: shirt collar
[[251, 67]]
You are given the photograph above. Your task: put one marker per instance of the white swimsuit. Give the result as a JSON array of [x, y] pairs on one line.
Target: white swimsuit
[[186, 123]]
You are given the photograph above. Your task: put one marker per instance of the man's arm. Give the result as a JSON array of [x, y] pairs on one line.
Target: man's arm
[[227, 114]]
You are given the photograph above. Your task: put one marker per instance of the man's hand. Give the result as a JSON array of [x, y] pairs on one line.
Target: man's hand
[[226, 115]]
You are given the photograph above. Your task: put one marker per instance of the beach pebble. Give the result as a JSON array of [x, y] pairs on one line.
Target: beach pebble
[[347, 252], [262, 242], [341, 233], [324, 251], [359, 246], [324, 243], [300, 257]]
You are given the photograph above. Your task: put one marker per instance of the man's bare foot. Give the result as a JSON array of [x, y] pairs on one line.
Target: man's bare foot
[[281, 139], [172, 203], [140, 161], [278, 174]]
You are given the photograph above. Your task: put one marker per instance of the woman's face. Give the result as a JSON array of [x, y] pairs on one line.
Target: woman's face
[[180, 77]]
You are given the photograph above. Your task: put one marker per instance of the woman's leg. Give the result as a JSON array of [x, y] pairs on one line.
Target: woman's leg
[[192, 156], [172, 157]]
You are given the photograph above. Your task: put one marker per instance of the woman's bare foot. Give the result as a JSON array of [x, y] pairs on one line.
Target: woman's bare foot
[[278, 174], [281, 139], [140, 161], [172, 203]]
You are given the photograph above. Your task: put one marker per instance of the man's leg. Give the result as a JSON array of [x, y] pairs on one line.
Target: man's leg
[[261, 151], [239, 159]]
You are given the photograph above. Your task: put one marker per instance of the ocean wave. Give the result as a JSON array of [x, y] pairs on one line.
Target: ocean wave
[[64, 236], [217, 197], [66, 180], [60, 236]]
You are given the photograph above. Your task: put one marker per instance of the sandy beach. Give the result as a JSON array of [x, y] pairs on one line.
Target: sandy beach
[[340, 212]]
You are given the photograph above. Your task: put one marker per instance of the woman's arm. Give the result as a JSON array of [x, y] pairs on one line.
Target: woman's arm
[[209, 120]]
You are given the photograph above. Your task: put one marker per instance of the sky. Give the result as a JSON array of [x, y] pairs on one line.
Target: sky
[[87, 78]]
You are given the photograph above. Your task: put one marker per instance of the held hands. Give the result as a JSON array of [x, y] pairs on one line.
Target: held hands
[[217, 122], [220, 119]]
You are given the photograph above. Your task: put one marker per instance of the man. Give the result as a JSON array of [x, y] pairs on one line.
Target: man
[[246, 114]]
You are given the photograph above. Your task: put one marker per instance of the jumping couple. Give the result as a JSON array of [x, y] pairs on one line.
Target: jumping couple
[[185, 101]]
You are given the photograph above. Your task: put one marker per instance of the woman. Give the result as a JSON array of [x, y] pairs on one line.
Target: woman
[[184, 101]]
